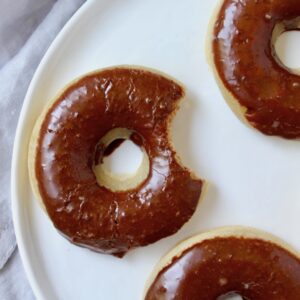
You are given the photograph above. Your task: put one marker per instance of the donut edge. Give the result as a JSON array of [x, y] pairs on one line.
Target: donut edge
[[233, 103], [39, 121], [221, 232], [34, 140]]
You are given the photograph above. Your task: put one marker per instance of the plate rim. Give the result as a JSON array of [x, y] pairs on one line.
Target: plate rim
[[16, 200]]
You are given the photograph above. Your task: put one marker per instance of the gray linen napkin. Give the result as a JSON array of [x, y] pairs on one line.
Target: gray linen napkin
[[27, 27]]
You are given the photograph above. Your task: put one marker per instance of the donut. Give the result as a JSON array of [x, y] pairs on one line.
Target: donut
[[253, 80], [88, 205], [225, 262]]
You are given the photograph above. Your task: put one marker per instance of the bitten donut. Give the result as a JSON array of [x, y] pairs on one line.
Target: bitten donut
[[253, 80], [225, 262], [89, 206]]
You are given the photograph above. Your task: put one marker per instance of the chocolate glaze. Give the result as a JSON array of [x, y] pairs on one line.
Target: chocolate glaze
[[91, 215], [253, 268], [246, 62]]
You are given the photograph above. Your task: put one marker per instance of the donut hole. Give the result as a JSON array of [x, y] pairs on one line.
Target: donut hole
[[120, 164], [231, 296], [286, 43], [122, 157]]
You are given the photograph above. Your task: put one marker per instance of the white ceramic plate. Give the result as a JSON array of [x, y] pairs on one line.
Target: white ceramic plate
[[254, 179]]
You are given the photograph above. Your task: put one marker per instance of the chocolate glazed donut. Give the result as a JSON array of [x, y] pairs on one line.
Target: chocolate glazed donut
[[226, 262], [253, 80], [86, 204]]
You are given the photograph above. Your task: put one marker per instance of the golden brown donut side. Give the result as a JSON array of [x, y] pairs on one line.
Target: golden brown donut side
[[91, 215], [247, 68], [245, 261]]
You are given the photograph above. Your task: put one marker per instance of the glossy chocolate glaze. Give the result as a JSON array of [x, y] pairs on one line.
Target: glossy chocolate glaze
[[93, 216], [253, 268], [247, 65]]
